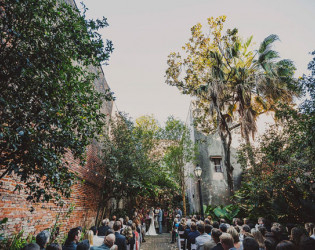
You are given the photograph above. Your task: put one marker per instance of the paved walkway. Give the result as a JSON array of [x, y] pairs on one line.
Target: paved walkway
[[159, 242]]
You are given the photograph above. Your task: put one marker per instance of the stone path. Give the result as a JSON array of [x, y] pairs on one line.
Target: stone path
[[159, 242]]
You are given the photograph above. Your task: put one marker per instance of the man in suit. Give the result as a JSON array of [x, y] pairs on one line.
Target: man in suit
[[103, 229], [72, 240], [108, 243], [120, 241], [191, 238], [203, 237], [160, 219], [215, 234]]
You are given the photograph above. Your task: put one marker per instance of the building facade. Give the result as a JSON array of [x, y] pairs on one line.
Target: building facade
[[214, 187]]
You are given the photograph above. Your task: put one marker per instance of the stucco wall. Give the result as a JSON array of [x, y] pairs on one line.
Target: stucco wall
[[214, 184]]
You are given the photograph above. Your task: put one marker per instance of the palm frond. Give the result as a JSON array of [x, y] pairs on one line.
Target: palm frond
[[267, 42], [248, 41]]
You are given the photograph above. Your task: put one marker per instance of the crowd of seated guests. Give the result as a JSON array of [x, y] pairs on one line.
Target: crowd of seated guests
[[241, 235], [121, 234]]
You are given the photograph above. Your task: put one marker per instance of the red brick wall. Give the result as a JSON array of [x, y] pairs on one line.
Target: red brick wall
[[85, 197]]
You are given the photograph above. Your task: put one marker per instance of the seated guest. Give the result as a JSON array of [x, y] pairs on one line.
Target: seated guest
[[120, 241], [274, 236], [223, 228], [250, 243], [307, 243], [191, 239], [83, 245], [238, 229], [111, 223], [182, 225], [227, 241], [296, 235], [203, 238], [72, 240], [188, 220], [208, 229], [207, 221], [101, 231], [108, 243], [97, 240], [222, 221], [270, 244], [130, 236], [216, 224], [89, 235], [31, 246], [42, 239], [215, 234], [259, 238], [285, 245], [187, 231], [237, 243], [209, 245], [54, 246], [245, 229], [262, 230], [122, 223]]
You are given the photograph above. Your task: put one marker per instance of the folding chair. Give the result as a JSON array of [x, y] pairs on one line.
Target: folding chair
[[181, 242]]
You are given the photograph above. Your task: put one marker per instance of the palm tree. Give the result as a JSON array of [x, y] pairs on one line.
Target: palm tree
[[233, 84]]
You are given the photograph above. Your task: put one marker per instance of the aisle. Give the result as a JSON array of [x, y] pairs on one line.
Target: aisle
[[159, 242]]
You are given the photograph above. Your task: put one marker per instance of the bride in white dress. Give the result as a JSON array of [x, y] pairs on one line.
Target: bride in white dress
[[151, 230]]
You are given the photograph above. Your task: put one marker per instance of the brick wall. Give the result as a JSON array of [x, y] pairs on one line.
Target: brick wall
[[33, 218]]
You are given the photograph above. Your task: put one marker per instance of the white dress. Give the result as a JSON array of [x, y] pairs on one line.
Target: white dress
[[151, 230]]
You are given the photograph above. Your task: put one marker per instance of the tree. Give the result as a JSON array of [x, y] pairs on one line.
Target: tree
[[129, 166], [48, 103], [281, 181], [180, 152], [232, 83]]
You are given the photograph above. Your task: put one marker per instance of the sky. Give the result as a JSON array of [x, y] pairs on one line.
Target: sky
[[145, 32]]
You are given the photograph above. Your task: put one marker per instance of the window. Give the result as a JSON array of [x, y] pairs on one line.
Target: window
[[217, 164]]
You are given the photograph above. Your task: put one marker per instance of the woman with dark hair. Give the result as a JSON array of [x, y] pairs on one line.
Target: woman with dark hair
[[259, 238], [296, 236], [262, 229], [285, 245], [54, 246]]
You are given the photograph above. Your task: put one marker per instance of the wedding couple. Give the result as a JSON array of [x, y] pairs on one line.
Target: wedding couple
[[157, 215]]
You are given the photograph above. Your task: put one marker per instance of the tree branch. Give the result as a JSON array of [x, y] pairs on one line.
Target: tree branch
[[235, 126]]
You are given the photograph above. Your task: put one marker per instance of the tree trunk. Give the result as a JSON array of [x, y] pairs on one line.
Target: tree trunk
[[227, 160], [226, 139], [249, 151], [184, 199]]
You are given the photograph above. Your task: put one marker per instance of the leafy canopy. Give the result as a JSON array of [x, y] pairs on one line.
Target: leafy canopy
[[281, 182], [131, 168], [49, 61]]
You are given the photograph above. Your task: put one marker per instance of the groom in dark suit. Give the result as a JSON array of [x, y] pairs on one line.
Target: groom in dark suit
[[160, 219]]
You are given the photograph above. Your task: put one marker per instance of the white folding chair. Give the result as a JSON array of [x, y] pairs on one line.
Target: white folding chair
[[193, 246], [180, 240]]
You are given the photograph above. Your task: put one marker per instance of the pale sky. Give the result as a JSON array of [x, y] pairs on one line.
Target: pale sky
[[144, 32]]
